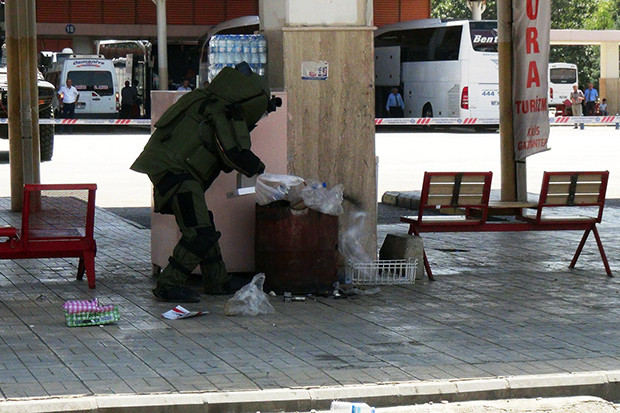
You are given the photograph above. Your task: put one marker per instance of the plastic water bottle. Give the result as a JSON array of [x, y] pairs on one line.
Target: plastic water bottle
[[254, 46], [237, 49], [262, 45], [230, 43], [245, 48]]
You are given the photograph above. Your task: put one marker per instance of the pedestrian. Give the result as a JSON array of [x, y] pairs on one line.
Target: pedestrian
[[603, 107], [128, 99], [591, 95], [136, 110], [68, 97], [204, 133], [185, 85], [395, 105], [205, 84], [576, 98]]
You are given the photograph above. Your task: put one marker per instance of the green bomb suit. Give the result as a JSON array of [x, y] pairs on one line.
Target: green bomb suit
[[205, 132]]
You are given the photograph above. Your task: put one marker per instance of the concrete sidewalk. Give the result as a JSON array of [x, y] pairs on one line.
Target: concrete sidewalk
[[503, 304]]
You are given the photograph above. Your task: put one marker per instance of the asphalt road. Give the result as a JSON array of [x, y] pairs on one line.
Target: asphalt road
[[403, 157], [103, 156]]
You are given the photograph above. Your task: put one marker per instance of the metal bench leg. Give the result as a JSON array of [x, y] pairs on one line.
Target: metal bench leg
[[81, 269], [89, 264], [579, 248], [602, 251], [427, 266]]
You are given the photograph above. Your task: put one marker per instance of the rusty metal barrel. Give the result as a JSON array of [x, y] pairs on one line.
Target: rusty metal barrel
[[297, 250]]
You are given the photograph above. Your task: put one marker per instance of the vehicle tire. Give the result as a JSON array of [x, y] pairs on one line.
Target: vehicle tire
[[46, 135], [427, 111]]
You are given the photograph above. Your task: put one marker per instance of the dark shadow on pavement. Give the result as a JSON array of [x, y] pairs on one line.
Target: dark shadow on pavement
[[139, 216]]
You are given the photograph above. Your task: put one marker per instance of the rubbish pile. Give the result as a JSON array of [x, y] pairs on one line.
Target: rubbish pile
[[300, 193]]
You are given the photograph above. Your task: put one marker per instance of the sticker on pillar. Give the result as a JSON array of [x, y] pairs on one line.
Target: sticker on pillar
[[315, 70]]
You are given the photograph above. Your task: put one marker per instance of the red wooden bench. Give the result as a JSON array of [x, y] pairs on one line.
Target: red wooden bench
[[57, 221], [468, 194]]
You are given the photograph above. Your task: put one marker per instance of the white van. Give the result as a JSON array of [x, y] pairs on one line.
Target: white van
[[95, 79]]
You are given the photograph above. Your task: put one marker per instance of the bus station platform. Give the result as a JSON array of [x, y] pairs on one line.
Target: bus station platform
[[506, 307]]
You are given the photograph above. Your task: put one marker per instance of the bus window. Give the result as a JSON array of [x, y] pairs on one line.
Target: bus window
[[416, 44], [425, 45], [563, 76], [96, 81], [446, 43], [483, 36]]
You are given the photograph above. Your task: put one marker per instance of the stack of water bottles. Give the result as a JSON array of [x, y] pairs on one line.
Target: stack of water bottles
[[232, 49]]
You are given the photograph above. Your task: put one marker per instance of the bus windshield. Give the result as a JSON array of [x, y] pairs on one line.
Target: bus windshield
[[563, 76], [483, 36], [98, 81]]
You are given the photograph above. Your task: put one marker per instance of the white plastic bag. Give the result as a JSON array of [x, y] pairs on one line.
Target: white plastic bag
[[318, 197], [250, 299], [271, 187], [351, 239]]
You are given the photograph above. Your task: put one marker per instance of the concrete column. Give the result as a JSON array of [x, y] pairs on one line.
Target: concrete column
[[23, 102], [162, 44], [609, 82], [610, 68], [507, 155], [331, 133], [272, 20]]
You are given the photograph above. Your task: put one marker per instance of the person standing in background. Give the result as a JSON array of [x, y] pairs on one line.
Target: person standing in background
[[576, 98], [128, 99], [395, 105], [185, 85], [68, 97], [591, 96], [603, 107]]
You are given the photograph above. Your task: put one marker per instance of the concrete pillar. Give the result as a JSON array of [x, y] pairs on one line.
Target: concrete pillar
[[162, 44], [509, 175], [23, 100], [331, 121], [610, 68], [272, 20], [609, 83]]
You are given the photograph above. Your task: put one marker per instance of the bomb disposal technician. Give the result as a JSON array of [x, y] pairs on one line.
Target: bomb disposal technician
[[205, 132]]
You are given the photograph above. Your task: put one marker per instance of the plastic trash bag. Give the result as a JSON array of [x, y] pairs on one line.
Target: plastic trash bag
[[271, 187], [351, 239], [318, 197], [250, 299]]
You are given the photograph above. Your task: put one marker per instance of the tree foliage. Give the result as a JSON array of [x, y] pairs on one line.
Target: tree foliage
[[566, 14]]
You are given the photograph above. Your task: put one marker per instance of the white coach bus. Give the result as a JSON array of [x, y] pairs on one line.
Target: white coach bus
[[562, 77], [442, 68]]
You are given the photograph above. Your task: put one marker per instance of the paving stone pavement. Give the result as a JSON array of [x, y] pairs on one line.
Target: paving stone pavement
[[503, 304]]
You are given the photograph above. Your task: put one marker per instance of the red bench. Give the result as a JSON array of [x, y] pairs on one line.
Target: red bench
[[467, 193], [57, 221]]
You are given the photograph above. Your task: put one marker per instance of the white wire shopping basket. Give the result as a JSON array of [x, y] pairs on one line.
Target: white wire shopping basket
[[382, 272]]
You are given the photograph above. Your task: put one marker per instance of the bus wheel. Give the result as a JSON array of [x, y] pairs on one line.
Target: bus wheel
[[427, 111]]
